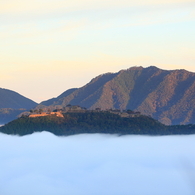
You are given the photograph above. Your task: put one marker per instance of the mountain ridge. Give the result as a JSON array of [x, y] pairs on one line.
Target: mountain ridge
[[166, 95]]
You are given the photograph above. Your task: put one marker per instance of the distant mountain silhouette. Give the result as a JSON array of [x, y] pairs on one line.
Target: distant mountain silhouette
[[168, 96], [11, 99], [12, 104]]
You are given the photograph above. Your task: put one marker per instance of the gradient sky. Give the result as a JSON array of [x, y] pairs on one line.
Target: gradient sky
[[50, 46]]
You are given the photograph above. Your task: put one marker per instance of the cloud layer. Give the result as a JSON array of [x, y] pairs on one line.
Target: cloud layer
[[97, 164]]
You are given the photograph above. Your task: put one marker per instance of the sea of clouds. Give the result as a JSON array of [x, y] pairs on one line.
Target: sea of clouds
[[97, 164]]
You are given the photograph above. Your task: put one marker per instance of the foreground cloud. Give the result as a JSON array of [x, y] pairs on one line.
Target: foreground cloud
[[96, 164]]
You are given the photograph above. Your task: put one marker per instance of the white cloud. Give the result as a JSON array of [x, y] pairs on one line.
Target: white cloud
[[96, 164]]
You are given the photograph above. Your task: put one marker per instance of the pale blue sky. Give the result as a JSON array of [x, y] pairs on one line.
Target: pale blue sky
[[50, 46]]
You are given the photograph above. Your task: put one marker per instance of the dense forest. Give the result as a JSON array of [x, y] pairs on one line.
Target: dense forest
[[93, 122]]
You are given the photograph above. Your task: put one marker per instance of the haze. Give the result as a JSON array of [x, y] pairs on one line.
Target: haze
[[97, 164], [50, 46]]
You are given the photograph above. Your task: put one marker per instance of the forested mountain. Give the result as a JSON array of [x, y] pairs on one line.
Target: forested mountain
[[168, 96], [12, 104]]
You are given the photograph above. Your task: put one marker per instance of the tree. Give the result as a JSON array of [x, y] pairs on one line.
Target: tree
[[40, 111]]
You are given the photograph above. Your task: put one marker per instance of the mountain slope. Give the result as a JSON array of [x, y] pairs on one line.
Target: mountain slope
[[12, 104], [11, 99], [168, 96]]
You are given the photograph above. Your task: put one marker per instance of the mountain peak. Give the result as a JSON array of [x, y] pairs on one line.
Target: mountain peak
[[166, 95]]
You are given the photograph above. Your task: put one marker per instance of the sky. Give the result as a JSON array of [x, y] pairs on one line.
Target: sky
[[49, 46], [97, 164]]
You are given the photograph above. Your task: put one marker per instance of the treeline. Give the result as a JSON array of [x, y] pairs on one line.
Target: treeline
[[93, 122]]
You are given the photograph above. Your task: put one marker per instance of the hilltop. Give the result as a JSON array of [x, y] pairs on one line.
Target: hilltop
[[73, 120]]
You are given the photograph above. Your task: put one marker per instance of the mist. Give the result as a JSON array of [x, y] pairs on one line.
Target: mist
[[95, 164]]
